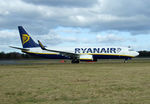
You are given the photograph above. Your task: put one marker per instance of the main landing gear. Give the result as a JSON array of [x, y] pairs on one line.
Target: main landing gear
[[75, 61], [126, 60]]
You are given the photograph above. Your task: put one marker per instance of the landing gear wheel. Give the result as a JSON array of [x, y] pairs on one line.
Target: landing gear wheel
[[75, 61], [126, 61]]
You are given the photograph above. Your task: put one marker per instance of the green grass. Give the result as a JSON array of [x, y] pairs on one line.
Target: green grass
[[48, 82]]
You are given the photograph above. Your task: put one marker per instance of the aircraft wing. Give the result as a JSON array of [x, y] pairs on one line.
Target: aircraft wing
[[63, 53], [22, 49]]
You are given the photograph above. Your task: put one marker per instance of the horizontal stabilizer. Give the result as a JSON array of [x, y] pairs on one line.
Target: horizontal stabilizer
[[22, 49]]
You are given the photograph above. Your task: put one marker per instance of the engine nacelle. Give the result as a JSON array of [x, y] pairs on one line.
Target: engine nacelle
[[86, 58]]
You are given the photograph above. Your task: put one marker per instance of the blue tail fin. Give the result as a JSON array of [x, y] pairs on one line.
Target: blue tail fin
[[27, 41]]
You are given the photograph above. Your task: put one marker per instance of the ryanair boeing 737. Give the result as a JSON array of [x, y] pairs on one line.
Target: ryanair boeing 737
[[76, 54]]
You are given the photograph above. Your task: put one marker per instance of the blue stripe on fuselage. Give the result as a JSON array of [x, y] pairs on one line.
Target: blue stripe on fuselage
[[57, 56], [110, 57], [49, 56]]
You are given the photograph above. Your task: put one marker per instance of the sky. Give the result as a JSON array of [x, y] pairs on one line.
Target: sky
[[63, 23]]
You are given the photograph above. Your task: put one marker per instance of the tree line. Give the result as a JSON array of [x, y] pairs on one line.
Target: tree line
[[16, 55]]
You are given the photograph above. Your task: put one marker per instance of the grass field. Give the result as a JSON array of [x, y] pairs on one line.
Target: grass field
[[48, 82]]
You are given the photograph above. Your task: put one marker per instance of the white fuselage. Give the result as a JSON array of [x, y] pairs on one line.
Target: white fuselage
[[86, 52]]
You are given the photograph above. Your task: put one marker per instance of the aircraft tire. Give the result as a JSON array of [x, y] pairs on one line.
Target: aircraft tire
[[75, 61]]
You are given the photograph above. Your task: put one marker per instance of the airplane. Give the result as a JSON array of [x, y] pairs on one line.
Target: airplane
[[75, 54]]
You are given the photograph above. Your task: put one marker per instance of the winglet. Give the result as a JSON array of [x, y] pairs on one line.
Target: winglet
[[41, 45]]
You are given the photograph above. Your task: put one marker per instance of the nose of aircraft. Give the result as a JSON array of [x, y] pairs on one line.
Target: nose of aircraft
[[136, 53]]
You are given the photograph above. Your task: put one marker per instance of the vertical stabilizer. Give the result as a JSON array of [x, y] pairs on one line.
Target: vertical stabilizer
[[27, 41]]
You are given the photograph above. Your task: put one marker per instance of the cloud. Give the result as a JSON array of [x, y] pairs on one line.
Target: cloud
[[110, 38], [95, 15], [8, 37], [40, 16], [52, 38], [63, 3], [7, 33]]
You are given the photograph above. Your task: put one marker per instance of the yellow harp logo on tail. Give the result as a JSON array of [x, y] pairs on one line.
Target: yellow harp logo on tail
[[25, 38]]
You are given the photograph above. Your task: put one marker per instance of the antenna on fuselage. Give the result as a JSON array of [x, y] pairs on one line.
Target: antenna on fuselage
[[129, 46]]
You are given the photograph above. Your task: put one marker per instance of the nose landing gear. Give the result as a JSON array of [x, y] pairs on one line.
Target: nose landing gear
[[126, 60]]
